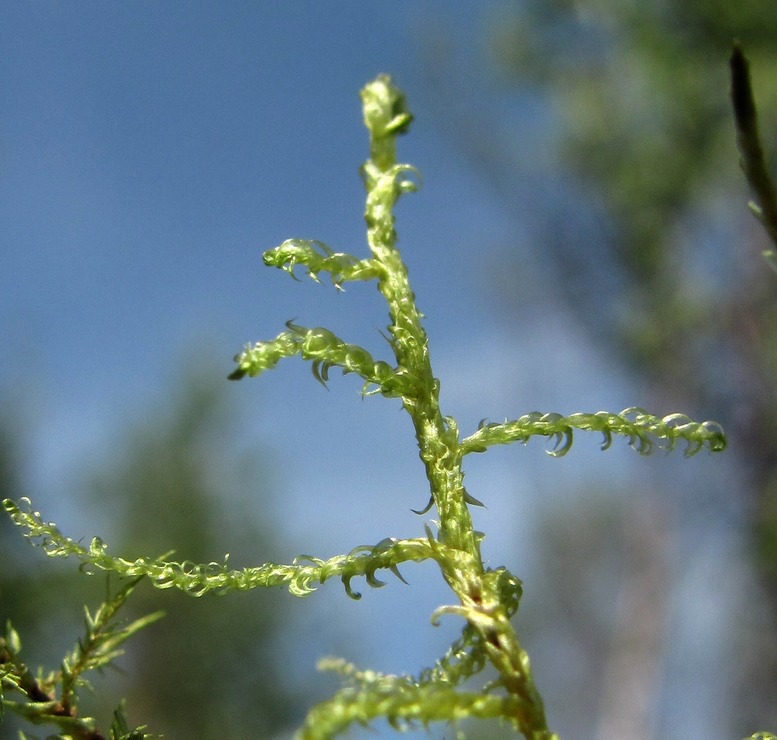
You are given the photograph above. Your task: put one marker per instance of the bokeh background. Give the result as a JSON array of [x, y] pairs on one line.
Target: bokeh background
[[581, 242]]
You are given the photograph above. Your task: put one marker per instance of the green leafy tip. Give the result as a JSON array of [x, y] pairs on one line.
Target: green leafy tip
[[637, 425], [385, 109]]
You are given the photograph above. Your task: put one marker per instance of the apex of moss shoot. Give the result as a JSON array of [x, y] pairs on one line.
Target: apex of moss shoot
[[386, 115], [385, 108]]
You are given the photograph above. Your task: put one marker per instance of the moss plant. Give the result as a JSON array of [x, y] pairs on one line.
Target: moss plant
[[485, 599]]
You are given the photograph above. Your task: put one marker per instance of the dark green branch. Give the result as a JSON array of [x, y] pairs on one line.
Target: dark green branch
[[749, 143]]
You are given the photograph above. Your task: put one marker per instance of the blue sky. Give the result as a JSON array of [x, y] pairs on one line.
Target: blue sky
[[149, 152]]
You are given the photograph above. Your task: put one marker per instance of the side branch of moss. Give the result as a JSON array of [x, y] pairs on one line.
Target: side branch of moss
[[641, 428], [369, 695], [197, 579]]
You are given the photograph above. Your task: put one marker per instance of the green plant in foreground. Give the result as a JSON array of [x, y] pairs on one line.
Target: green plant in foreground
[[485, 598]]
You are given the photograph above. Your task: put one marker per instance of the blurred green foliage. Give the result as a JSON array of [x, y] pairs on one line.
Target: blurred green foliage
[[645, 130], [170, 480], [637, 219]]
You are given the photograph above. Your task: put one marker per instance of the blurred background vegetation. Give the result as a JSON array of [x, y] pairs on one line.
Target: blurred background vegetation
[[171, 483], [634, 225], [624, 190]]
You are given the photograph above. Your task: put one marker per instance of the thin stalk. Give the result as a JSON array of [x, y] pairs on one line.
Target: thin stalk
[[749, 143], [479, 591]]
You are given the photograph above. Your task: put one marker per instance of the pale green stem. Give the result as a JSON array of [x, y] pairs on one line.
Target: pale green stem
[[386, 115]]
